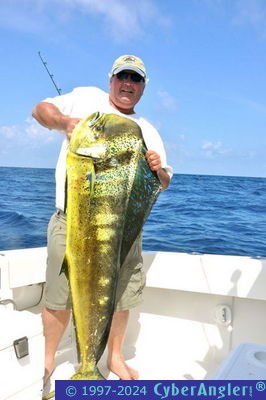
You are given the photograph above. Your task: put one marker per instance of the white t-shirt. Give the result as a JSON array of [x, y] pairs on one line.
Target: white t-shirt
[[83, 101]]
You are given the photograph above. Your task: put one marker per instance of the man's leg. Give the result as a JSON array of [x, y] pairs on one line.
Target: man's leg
[[115, 361], [54, 325], [129, 294], [56, 312]]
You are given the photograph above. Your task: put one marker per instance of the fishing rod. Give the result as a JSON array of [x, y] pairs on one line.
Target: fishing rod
[[49, 73]]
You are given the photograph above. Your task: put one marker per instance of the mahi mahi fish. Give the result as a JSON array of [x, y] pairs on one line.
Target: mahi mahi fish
[[110, 193]]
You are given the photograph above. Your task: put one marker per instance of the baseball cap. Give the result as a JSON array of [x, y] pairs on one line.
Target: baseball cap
[[129, 62]]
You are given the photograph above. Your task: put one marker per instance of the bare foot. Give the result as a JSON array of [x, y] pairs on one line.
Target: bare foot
[[121, 369]]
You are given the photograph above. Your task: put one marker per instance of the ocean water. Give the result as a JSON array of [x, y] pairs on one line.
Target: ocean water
[[197, 214]]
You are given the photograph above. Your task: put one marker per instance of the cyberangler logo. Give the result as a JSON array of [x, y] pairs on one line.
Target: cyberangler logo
[[203, 390]]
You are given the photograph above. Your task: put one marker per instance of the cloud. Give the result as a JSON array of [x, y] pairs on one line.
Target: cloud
[[23, 15], [29, 134], [28, 144], [214, 149], [34, 131], [9, 132], [120, 19], [251, 12], [241, 13]]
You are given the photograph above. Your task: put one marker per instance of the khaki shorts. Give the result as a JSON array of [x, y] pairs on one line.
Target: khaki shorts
[[57, 297]]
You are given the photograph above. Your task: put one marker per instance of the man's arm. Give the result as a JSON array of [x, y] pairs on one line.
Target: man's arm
[[155, 164], [49, 116], [164, 178]]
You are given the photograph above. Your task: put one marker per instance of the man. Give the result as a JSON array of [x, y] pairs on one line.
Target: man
[[127, 83]]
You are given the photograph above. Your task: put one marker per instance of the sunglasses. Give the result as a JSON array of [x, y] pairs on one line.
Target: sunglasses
[[123, 75]]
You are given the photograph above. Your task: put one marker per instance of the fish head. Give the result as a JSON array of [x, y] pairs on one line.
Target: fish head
[[86, 139]]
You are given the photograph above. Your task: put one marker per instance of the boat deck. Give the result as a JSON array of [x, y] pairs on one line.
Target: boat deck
[[197, 309]]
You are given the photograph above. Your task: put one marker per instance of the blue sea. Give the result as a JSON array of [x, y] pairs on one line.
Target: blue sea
[[197, 214]]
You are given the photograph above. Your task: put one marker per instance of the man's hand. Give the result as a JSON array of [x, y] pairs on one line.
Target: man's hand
[[154, 161], [70, 125]]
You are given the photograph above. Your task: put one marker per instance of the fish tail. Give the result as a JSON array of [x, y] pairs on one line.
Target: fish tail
[[88, 374]]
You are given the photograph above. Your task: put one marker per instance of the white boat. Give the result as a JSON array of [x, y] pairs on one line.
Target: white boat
[[203, 317]]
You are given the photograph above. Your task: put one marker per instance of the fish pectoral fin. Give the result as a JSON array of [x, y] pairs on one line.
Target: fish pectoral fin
[[95, 151]]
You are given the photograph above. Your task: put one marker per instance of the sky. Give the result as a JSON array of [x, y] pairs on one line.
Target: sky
[[206, 62]]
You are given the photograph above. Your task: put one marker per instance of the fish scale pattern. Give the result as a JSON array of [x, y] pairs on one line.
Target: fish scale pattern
[[110, 193]]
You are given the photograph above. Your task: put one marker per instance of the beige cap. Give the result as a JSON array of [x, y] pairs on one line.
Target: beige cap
[[129, 62]]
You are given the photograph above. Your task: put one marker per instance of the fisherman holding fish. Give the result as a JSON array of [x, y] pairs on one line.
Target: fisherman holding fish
[[65, 113]]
